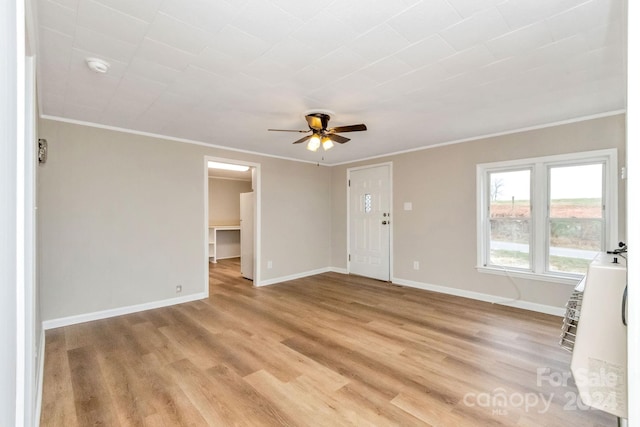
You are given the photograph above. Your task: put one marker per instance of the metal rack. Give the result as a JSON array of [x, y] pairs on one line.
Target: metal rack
[[570, 321]]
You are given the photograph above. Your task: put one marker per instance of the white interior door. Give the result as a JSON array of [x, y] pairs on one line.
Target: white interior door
[[247, 256], [370, 221]]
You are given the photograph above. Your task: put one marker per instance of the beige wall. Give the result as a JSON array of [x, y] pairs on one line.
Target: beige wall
[[121, 218], [440, 231], [297, 217], [224, 200]]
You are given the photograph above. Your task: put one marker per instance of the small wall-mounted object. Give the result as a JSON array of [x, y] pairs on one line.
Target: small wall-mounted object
[[98, 65], [42, 150]]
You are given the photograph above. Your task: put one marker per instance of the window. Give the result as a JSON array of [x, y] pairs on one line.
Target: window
[[546, 217], [576, 216], [510, 218], [367, 203]]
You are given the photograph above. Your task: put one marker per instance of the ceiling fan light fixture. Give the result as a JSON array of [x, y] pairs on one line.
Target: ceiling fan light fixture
[[314, 143], [327, 143]]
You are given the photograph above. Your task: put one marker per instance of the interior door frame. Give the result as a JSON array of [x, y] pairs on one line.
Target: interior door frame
[[391, 215], [255, 183], [633, 209], [33, 359]]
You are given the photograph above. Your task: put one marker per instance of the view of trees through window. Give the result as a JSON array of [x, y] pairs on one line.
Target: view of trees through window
[[510, 217], [575, 221]]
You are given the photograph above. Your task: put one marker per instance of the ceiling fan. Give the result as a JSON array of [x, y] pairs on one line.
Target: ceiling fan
[[320, 134]]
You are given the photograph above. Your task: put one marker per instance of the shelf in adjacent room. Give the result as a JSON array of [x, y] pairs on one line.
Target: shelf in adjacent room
[[213, 238]]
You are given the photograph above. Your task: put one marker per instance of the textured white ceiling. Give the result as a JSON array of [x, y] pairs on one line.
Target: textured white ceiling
[[417, 72]]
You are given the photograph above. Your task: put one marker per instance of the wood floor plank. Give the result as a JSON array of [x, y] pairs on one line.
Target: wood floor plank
[[432, 411], [379, 375], [199, 391], [93, 402], [250, 408], [335, 408], [57, 387], [283, 398], [326, 350], [124, 390], [366, 399], [171, 404], [324, 378]]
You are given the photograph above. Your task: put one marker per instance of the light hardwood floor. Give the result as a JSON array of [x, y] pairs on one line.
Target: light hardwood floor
[[328, 350]]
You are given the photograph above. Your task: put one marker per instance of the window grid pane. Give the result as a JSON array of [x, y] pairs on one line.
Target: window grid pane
[[367, 203], [509, 243], [576, 220], [510, 219]]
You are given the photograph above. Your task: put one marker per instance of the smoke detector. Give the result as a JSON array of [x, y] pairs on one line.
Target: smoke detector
[[98, 65]]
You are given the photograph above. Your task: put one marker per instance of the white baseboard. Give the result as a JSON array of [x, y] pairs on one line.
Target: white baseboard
[[87, 317], [293, 276], [39, 380], [228, 257], [494, 299], [338, 270]]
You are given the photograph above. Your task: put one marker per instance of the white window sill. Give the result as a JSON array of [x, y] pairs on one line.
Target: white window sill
[[573, 281]]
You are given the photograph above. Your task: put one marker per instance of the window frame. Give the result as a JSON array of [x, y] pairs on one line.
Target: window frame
[[540, 202], [532, 224]]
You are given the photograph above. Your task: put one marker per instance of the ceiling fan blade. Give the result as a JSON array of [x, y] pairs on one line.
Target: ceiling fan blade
[[337, 138], [306, 138], [350, 128], [317, 121], [288, 130]]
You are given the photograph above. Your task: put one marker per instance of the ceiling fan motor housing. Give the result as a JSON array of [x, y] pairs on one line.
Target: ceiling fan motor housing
[[318, 121]]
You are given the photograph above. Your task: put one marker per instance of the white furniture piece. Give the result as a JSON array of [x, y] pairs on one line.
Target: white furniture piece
[[247, 222], [599, 359], [213, 238]]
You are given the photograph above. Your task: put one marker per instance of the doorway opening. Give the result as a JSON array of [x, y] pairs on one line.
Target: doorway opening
[[232, 221]]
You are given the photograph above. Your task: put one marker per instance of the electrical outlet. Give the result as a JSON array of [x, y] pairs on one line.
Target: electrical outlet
[[269, 264], [416, 265], [178, 289]]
